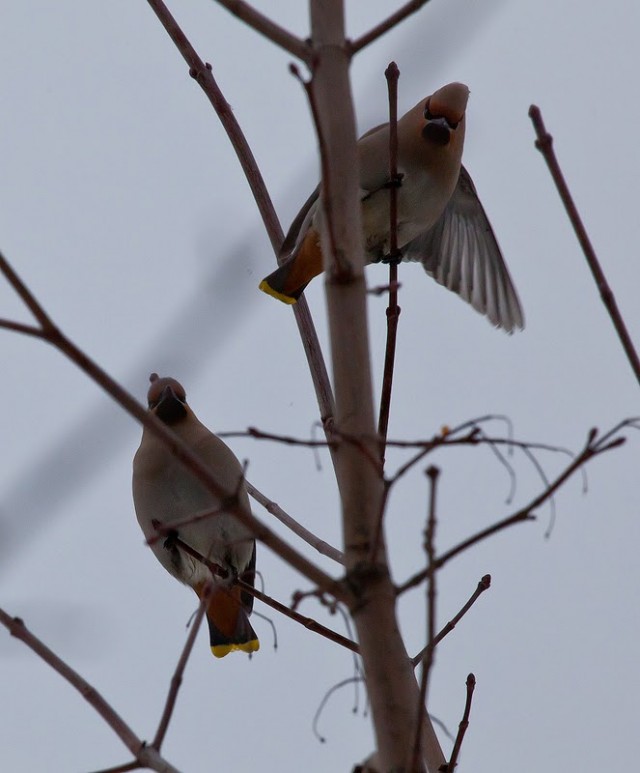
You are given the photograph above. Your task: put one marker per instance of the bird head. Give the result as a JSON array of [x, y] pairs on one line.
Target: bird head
[[431, 134], [167, 399], [444, 112]]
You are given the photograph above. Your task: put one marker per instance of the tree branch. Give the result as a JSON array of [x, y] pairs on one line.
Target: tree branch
[[483, 585], [176, 679], [427, 663], [392, 73], [203, 75], [462, 727], [297, 528], [380, 29], [391, 683], [125, 768], [544, 144], [267, 28], [146, 755], [19, 327]]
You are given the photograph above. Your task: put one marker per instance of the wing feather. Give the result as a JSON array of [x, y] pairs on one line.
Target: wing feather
[[461, 253]]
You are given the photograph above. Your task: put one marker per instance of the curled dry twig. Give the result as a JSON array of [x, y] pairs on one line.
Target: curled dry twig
[[325, 699], [593, 447]]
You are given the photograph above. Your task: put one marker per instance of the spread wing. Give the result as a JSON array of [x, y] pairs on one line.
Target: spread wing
[[461, 252]]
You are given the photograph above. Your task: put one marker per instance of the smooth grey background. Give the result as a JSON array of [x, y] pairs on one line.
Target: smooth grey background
[[123, 207]]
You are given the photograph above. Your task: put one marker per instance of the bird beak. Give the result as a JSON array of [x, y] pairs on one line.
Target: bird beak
[[170, 408], [437, 131]]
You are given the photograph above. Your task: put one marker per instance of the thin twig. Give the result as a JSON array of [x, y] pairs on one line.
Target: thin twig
[[383, 289], [483, 585], [525, 513], [166, 528], [433, 474], [297, 528], [392, 73], [163, 529], [267, 28], [176, 679], [28, 298], [203, 75], [146, 755], [384, 26], [307, 622], [317, 367], [325, 700], [446, 436], [125, 768], [311, 539], [366, 444], [19, 327], [302, 595], [446, 439], [287, 440], [393, 316], [544, 144], [462, 728], [545, 480]]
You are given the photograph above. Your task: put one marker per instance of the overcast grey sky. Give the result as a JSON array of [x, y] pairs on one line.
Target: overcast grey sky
[[123, 207]]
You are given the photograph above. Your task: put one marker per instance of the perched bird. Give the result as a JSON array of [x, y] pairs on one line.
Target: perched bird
[[440, 222], [164, 491]]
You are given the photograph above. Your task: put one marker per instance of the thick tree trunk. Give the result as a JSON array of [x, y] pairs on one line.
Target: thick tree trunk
[[391, 683]]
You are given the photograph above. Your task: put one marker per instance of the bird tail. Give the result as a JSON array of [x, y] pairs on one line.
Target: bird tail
[[288, 281], [277, 286], [229, 626]]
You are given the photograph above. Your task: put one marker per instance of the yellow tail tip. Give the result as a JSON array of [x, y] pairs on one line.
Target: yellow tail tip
[[266, 288], [220, 650]]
